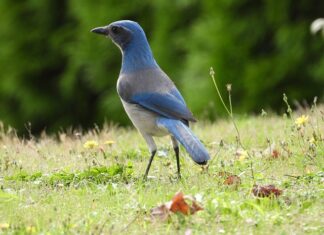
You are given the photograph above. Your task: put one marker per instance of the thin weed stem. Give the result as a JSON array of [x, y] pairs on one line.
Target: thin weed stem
[[212, 74], [289, 110], [230, 113], [228, 110], [230, 101]]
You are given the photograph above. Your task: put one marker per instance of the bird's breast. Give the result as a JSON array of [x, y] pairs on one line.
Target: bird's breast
[[143, 119]]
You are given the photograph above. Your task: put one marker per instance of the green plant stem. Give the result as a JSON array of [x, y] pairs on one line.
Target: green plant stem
[[219, 94], [230, 102], [230, 112]]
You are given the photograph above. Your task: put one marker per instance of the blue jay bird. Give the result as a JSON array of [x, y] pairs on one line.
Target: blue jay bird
[[150, 98]]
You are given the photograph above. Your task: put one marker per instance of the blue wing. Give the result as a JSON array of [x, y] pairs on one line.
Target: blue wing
[[169, 104], [153, 90]]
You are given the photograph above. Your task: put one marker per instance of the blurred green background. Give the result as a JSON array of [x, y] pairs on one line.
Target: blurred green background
[[56, 74]]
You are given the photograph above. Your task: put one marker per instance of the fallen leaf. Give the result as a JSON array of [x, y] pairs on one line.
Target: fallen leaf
[[266, 191], [160, 213], [275, 153], [232, 180], [178, 204], [271, 152]]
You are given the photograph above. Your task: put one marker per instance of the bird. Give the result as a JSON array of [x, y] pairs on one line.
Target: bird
[[150, 98]]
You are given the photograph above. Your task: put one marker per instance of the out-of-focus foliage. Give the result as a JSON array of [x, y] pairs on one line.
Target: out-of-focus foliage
[[55, 73], [264, 48]]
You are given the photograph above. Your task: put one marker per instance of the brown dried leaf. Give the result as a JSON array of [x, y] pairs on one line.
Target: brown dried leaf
[[272, 152], [232, 180], [179, 204], [275, 154], [195, 207], [266, 191]]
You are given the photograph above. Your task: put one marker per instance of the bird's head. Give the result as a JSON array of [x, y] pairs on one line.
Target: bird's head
[[123, 33], [130, 38]]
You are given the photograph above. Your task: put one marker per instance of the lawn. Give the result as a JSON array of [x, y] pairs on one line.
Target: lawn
[[56, 184]]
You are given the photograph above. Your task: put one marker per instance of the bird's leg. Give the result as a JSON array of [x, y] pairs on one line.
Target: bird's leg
[[176, 150], [149, 164], [152, 146]]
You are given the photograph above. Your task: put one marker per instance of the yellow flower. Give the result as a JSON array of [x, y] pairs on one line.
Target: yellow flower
[[302, 120], [90, 144], [308, 170], [312, 141], [109, 142], [4, 225], [242, 155], [31, 229]]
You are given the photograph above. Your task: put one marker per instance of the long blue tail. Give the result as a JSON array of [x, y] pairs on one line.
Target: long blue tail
[[185, 136]]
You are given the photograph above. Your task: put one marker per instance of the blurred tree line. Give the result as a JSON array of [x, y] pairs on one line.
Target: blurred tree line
[[55, 73]]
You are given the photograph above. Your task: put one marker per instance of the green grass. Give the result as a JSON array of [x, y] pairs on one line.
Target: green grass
[[53, 185]]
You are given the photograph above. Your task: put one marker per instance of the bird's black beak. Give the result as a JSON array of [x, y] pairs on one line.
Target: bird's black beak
[[101, 30]]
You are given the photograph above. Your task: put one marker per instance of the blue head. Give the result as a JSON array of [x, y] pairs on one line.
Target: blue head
[[130, 38]]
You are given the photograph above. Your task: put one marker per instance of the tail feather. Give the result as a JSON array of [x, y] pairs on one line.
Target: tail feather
[[185, 136]]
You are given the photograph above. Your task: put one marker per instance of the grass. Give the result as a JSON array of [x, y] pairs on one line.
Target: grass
[[54, 185]]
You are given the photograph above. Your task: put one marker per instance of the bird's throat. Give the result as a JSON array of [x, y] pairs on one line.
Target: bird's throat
[[137, 58]]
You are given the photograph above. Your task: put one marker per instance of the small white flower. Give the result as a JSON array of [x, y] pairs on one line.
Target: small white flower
[[37, 182], [199, 197], [317, 25], [162, 153], [215, 202]]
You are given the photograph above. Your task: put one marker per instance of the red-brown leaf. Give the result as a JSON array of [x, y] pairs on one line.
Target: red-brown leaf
[[179, 204], [232, 180], [266, 191], [275, 153]]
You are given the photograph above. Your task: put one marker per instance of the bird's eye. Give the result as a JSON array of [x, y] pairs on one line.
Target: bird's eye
[[114, 29]]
